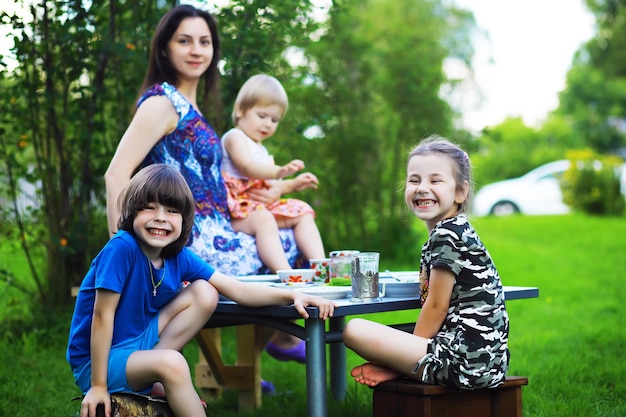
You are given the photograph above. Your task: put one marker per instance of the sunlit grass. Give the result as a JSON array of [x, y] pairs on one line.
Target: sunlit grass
[[570, 342]]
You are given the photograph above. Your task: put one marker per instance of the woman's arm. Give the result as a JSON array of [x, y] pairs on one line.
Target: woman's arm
[[435, 308], [155, 118]]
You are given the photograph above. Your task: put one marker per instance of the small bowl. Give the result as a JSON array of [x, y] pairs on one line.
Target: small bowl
[[296, 276]]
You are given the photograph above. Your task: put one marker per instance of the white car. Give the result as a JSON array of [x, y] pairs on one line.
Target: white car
[[537, 192]]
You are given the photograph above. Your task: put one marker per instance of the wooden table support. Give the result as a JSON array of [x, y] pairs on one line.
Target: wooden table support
[[213, 375]]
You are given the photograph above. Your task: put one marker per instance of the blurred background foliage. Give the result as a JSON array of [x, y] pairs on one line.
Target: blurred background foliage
[[592, 183], [363, 90]]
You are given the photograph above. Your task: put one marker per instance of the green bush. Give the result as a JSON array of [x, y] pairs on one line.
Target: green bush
[[592, 184]]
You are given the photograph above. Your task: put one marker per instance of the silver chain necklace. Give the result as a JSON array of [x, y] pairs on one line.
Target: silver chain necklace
[[155, 286]]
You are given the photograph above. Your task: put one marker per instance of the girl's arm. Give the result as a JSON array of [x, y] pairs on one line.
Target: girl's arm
[[435, 308], [250, 294], [155, 118], [101, 338], [236, 144]]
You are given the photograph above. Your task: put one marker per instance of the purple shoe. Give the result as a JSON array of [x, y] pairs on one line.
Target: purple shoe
[[267, 387], [297, 353]]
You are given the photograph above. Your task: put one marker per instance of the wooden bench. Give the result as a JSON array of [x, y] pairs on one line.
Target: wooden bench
[[405, 397]]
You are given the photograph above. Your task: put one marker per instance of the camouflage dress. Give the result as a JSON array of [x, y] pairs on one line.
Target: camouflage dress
[[470, 350]]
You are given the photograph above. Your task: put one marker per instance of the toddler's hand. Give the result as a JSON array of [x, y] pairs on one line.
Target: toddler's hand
[[291, 168], [304, 181]]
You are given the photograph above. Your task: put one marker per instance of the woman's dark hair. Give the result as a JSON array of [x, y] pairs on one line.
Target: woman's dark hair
[[160, 69], [163, 184]]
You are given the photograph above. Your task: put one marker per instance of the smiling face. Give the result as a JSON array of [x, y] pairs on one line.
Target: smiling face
[[260, 122], [190, 49], [431, 191], [157, 226]]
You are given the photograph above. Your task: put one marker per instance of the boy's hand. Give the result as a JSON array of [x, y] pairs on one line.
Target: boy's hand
[[326, 307], [94, 397]]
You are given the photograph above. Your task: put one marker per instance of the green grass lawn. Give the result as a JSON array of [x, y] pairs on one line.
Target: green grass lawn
[[570, 342]]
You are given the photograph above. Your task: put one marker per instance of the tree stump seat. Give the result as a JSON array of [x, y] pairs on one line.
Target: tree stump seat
[[128, 404], [406, 397]]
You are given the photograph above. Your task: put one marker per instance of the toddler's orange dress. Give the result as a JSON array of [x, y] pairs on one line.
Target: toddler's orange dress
[[240, 204]]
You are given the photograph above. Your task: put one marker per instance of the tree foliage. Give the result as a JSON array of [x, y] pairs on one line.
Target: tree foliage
[[370, 85], [590, 112], [593, 184], [68, 100], [511, 148], [595, 95], [62, 113], [372, 91]]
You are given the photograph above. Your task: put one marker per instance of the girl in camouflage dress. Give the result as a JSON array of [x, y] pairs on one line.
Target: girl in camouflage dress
[[461, 335]]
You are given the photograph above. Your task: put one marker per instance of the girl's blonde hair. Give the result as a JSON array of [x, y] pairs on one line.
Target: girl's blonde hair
[[436, 144], [163, 184], [260, 90]]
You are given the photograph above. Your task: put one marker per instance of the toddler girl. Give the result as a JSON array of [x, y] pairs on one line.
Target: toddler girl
[[247, 165]]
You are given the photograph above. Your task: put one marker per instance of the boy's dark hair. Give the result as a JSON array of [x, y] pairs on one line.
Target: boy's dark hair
[[163, 184]]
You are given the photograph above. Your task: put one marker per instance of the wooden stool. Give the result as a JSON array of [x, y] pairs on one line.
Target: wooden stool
[[405, 397]]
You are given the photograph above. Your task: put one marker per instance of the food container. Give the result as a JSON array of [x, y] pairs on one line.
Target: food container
[[295, 276], [340, 266]]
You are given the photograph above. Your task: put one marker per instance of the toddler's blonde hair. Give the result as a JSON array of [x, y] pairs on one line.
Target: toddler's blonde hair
[[260, 90]]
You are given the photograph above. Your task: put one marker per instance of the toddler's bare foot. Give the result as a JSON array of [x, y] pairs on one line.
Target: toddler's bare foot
[[371, 375]]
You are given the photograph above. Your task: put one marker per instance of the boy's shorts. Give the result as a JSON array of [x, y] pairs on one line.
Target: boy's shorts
[[118, 357]]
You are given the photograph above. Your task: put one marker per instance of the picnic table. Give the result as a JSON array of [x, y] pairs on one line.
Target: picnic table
[[212, 374]]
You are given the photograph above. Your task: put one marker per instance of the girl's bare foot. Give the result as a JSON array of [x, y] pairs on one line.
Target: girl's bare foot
[[371, 375]]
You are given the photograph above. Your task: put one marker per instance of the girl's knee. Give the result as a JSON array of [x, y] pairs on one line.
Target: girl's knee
[[354, 328]]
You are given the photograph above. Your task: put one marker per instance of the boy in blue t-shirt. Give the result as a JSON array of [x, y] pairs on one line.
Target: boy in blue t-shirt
[[146, 295]]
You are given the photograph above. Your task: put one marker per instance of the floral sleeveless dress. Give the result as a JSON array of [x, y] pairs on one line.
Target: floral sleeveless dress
[[470, 351], [195, 149], [239, 204]]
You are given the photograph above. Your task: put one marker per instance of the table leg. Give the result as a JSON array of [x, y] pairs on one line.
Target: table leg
[[316, 389], [207, 373], [338, 384]]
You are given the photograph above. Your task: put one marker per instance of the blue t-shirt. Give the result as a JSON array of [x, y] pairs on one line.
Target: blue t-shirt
[[122, 267]]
